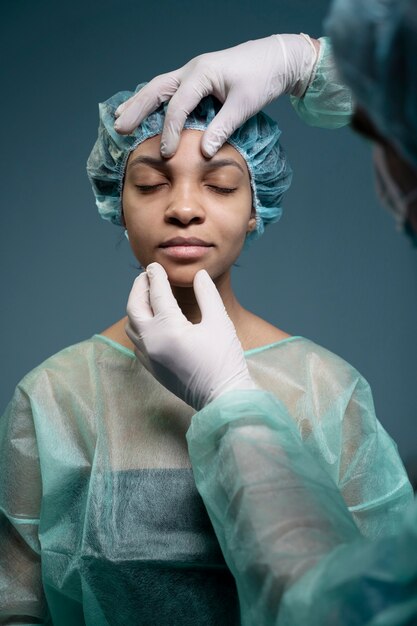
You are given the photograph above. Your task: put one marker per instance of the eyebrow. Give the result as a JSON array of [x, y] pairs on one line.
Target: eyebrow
[[163, 165]]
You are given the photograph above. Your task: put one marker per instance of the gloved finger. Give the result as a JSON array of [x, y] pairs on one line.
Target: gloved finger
[[140, 349], [228, 119], [208, 298], [150, 96], [138, 305], [142, 356], [185, 100], [132, 112], [132, 333], [161, 298]]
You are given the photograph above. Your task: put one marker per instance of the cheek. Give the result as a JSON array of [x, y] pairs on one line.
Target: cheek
[[135, 217], [248, 206], [234, 234], [238, 219]]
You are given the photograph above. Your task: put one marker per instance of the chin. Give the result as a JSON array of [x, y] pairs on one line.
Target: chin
[[182, 276]]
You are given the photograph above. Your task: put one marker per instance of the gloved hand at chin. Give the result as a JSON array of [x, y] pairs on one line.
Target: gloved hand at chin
[[244, 79], [197, 362]]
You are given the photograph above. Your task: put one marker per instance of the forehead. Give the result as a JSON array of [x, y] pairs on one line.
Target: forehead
[[188, 148]]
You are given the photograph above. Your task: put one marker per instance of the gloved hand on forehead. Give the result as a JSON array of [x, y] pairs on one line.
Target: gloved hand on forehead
[[245, 78], [196, 362]]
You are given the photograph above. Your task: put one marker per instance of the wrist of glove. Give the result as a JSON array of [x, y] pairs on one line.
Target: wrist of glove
[[299, 57], [196, 362]]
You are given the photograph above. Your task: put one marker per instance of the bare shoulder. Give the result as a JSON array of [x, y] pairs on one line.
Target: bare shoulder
[[257, 332], [116, 332]]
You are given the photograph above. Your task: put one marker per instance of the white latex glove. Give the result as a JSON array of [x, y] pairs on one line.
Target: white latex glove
[[245, 78], [197, 362]]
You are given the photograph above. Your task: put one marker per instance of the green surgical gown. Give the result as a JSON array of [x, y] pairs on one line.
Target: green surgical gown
[[284, 524], [100, 519], [327, 103]]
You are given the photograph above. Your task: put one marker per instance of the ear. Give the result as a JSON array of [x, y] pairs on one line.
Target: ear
[[251, 225]]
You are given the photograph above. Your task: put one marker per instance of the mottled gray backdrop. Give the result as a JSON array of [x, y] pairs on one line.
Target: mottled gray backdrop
[[334, 269]]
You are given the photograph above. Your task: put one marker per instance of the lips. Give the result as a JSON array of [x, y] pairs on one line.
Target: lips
[[185, 249], [184, 242]]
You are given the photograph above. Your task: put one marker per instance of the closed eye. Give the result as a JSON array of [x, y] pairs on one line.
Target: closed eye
[[215, 188], [224, 190], [148, 188]]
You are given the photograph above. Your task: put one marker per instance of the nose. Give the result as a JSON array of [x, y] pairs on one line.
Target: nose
[[184, 208]]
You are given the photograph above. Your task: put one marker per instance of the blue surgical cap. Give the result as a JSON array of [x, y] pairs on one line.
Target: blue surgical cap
[[375, 45], [257, 140]]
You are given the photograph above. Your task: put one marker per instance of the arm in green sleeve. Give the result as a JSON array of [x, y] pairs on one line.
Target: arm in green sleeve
[[361, 582], [21, 593], [327, 103], [284, 528]]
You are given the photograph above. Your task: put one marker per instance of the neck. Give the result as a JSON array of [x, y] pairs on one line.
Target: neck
[[188, 304], [247, 333]]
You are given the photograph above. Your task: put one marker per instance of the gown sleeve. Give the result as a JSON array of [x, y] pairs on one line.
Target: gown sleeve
[[21, 594], [362, 459], [327, 103], [286, 533]]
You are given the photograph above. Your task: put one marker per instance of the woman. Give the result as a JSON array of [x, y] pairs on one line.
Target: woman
[[101, 521]]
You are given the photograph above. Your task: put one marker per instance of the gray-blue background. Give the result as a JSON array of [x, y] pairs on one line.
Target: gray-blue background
[[334, 269]]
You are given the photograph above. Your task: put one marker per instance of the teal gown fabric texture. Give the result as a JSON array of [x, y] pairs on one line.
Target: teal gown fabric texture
[[284, 527], [328, 102], [100, 519]]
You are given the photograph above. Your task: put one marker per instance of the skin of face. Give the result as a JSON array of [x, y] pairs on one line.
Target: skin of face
[[187, 196]]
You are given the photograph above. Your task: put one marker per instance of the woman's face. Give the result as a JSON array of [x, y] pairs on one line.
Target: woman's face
[[187, 213]]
